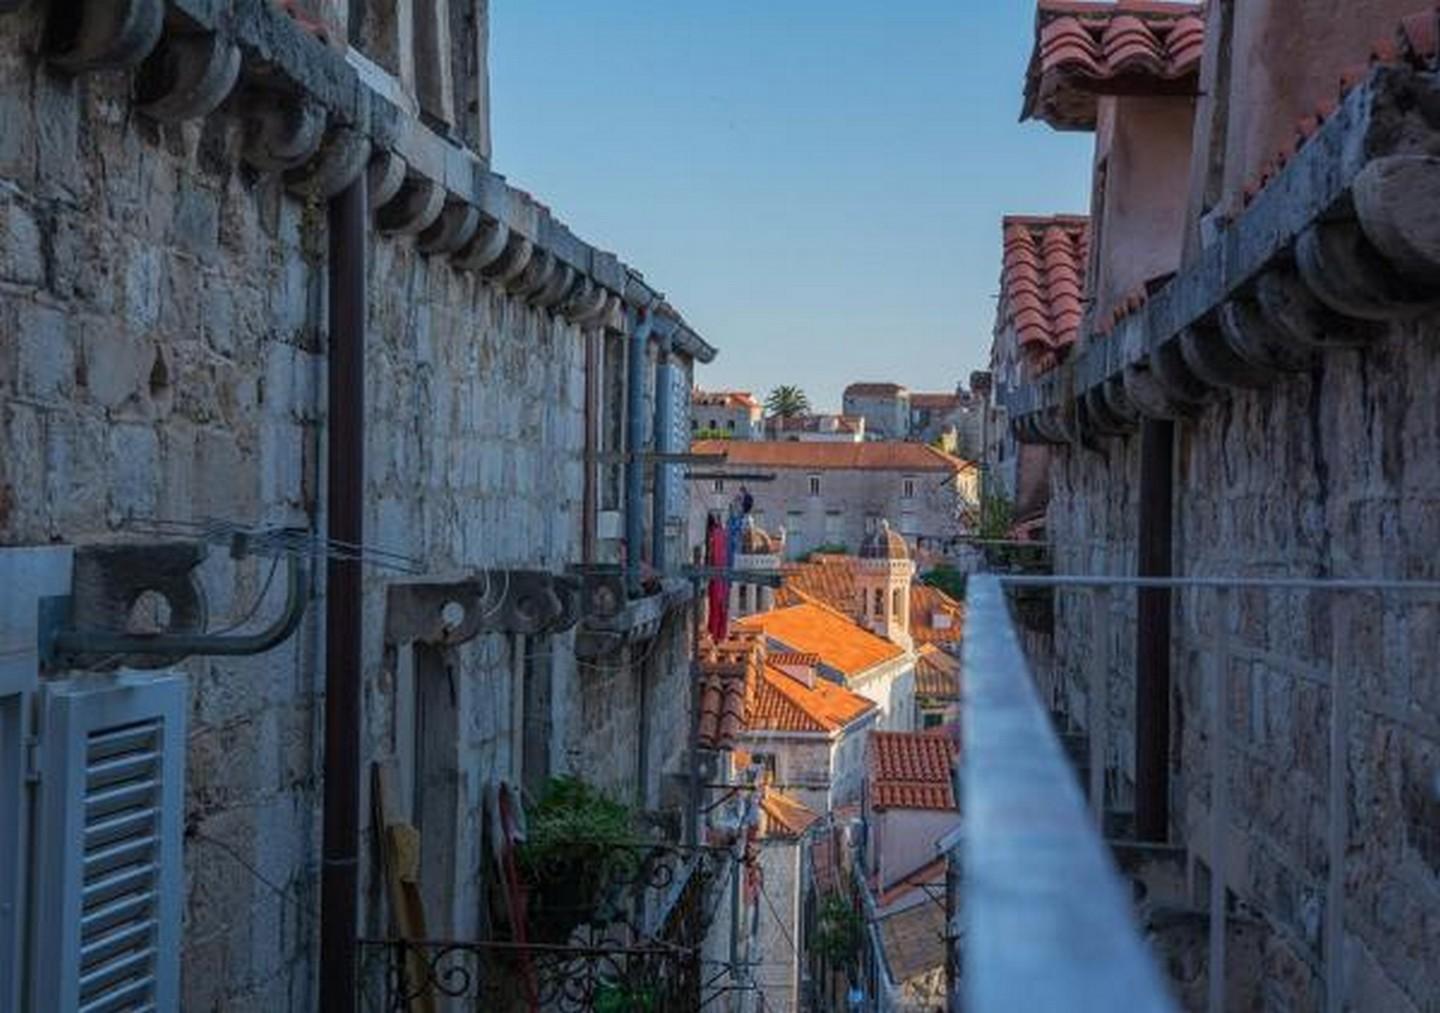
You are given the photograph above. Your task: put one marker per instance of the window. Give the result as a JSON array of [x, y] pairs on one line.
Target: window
[[719, 485], [714, 425], [766, 763], [694, 425], [879, 609], [908, 488], [895, 603], [814, 485], [730, 424], [744, 598], [834, 526], [932, 719]]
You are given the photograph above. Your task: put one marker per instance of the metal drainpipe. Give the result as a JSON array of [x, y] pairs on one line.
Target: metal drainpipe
[[664, 420], [594, 357], [1152, 638], [345, 478], [641, 322]]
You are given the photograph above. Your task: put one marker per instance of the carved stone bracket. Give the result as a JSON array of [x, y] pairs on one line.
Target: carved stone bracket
[[344, 154], [187, 77], [281, 132], [101, 34], [485, 248], [455, 227], [413, 209]]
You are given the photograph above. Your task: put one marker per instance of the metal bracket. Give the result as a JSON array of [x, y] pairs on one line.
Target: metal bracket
[[87, 629]]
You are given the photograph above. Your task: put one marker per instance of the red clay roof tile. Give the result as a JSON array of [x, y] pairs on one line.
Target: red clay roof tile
[[911, 770], [877, 455], [1087, 49], [813, 627], [1043, 282]]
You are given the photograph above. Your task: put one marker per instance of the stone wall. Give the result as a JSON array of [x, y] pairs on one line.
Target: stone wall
[[162, 336], [1332, 474]]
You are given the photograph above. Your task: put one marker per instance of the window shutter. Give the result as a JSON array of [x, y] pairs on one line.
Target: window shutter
[[107, 908]]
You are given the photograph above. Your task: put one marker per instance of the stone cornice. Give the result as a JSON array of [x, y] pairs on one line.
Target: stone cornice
[[321, 119], [1326, 253]]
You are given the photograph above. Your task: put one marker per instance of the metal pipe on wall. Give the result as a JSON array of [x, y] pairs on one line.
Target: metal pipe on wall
[[345, 508], [1152, 637], [590, 506], [640, 326], [664, 422]]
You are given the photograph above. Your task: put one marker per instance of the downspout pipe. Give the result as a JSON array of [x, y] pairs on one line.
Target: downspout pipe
[[663, 439], [641, 324], [345, 485]]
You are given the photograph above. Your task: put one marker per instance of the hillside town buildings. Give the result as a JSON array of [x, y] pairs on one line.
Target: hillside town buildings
[[834, 495]]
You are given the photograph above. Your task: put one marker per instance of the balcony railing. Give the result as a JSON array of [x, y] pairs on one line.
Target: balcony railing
[[638, 948], [1048, 921]]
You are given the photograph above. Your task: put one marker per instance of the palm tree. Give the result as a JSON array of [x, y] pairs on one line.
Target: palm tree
[[787, 402]]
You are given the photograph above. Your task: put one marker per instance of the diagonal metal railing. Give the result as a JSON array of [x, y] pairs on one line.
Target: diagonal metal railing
[[1044, 905]]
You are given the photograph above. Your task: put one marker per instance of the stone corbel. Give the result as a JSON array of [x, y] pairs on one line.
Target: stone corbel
[[535, 276], [560, 283], [1214, 360], [515, 258], [1295, 314], [1254, 337], [343, 156], [1102, 420], [1348, 274], [455, 227], [1182, 388], [1397, 202], [450, 612], [385, 176], [281, 132], [187, 77], [485, 248], [586, 304], [103, 34], [1144, 391], [1118, 402], [414, 209]]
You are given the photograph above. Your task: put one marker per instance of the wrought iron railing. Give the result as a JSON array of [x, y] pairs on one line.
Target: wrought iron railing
[[631, 941]]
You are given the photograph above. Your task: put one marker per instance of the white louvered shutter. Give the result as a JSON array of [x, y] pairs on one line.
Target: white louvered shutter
[[107, 904]]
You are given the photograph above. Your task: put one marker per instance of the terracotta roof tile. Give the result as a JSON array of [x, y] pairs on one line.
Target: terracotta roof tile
[[934, 401], [831, 579], [1043, 283], [873, 456], [813, 627], [937, 674], [728, 674], [783, 703], [785, 816], [911, 770], [1083, 50], [724, 398]]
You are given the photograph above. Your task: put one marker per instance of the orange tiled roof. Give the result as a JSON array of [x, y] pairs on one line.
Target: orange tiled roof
[[1087, 49], [728, 674], [941, 401], [911, 770], [1043, 284], [937, 674], [874, 456], [785, 816], [813, 627], [831, 579], [783, 703]]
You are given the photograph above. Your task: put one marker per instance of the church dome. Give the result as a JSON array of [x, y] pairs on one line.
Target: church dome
[[883, 543]]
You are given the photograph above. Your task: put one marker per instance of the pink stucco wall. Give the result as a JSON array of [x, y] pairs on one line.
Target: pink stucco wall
[[1142, 152], [1286, 57]]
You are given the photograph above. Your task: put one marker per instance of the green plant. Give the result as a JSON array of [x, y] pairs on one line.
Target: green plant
[[787, 401], [713, 434], [621, 997], [946, 578], [575, 845], [997, 515], [839, 931], [828, 549]]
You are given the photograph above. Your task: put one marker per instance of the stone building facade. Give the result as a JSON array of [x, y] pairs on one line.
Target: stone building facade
[[727, 414], [835, 494], [163, 356], [1264, 414]]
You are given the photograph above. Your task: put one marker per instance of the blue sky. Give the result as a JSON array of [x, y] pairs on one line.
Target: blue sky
[[816, 184]]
